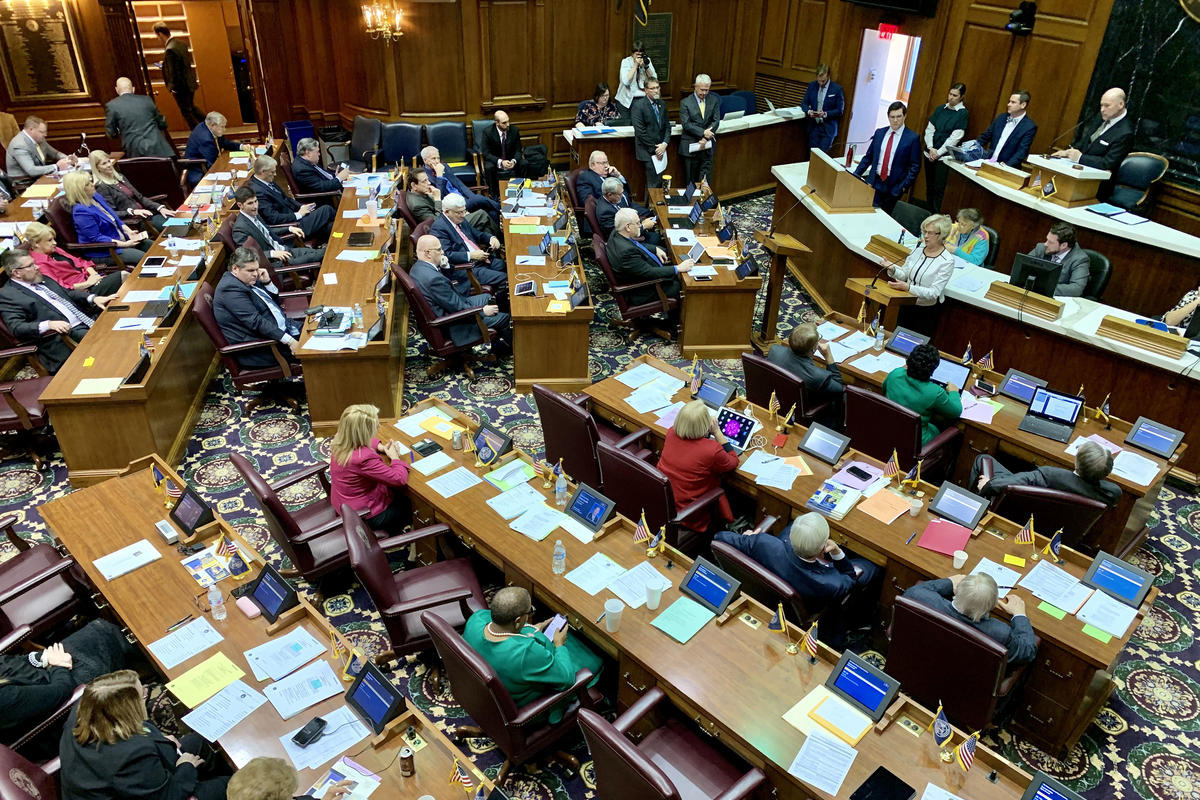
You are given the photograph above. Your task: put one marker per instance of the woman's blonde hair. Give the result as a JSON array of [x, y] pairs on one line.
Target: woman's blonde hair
[[940, 223], [94, 159], [263, 779], [693, 421], [355, 429], [111, 710], [75, 185], [36, 233]]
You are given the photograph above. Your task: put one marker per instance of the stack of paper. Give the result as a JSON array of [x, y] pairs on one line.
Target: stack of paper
[[182, 643], [516, 501], [631, 584], [216, 716], [1108, 614], [283, 655], [595, 573], [537, 521], [1134, 467], [127, 559], [411, 425], [204, 680], [343, 731], [454, 481], [880, 362], [304, 688], [885, 506], [1056, 586], [640, 375], [432, 463], [823, 762]]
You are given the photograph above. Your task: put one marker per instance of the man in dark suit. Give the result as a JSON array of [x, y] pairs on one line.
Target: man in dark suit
[[634, 262], [615, 198], [249, 225], [821, 384], [178, 74], [700, 116], [138, 122], [1093, 464], [1061, 247], [206, 141], [246, 310], [820, 571], [651, 131], [501, 151], [893, 159], [7, 192], [970, 600], [1010, 135], [35, 308], [310, 176], [823, 105], [466, 247], [588, 182], [448, 183], [1105, 143], [429, 274], [277, 208]]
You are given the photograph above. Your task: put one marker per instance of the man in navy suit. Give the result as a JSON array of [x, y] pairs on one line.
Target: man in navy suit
[[310, 176], [429, 274], [245, 308], [277, 208], [448, 183], [970, 600], [466, 247], [590, 181], [823, 104], [1010, 135], [206, 141], [820, 571], [615, 198], [893, 159]]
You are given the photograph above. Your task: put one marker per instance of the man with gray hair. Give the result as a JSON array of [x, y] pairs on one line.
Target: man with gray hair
[[430, 274], [466, 247], [448, 183], [970, 600], [206, 141], [1093, 464], [615, 198], [311, 177], [634, 262], [137, 122], [825, 575], [30, 156], [700, 116], [277, 208]]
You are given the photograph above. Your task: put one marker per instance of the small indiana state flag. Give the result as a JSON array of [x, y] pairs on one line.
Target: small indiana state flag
[[892, 468], [158, 476], [773, 405], [641, 12], [558, 470], [697, 379], [1055, 544], [862, 313], [1025, 535], [986, 362], [778, 623], [941, 727], [641, 533], [659, 543], [966, 751], [874, 324], [460, 775], [809, 643], [966, 359], [914, 475], [1102, 409]]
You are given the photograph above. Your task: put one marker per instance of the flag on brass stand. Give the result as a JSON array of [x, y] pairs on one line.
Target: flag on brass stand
[[862, 313], [773, 404], [1102, 409], [966, 359], [225, 547], [941, 727], [658, 544], [1079, 394], [808, 643], [986, 362], [695, 363], [874, 323], [892, 468], [778, 623], [1055, 544], [966, 751], [641, 12], [1025, 535], [697, 379], [558, 468], [913, 477], [460, 775], [171, 490], [156, 473], [641, 533]]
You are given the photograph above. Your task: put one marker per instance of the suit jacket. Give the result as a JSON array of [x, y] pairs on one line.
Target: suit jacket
[[1109, 150], [139, 123], [1064, 480], [648, 131], [244, 316], [422, 206], [606, 212], [491, 149], [1017, 637], [631, 265], [142, 767], [310, 179], [1016, 149], [244, 229], [95, 224], [1076, 270], [821, 384], [588, 184], [443, 299], [906, 162], [274, 207], [474, 201], [834, 105], [177, 70], [202, 144], [818, 583], [22, 312], [695, 466], [694, 123], [453, 247], [25, 165], [125, 198]]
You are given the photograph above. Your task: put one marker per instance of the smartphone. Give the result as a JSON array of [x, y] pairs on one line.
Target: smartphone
[[154, 261], [859, 473], [702, 277], [557, 624], [310, 732], [984, 386]]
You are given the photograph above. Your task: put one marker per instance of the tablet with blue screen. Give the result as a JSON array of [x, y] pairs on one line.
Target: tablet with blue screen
[[864, 687], [709, 585], [1118, 579], [272, 594], [589, 507], [1043, 787], [1154, 437], [374, 698]]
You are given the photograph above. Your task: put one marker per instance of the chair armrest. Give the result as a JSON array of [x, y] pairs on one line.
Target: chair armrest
[[703, 501], [307, 536], [626, 287], [632, 438], [940, 441], [317, 197], [158, 198], [40, 577], [765, 523], [8, 523], [189, 163], [59, 713], [427, 602], [292, 478], [14, 637], [745, 786], [639, 709], [528, 713], [52, 766], [20, 350], [407, 538], [458, 316]]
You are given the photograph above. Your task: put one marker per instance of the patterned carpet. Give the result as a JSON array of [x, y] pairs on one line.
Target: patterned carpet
[[1144, 744]]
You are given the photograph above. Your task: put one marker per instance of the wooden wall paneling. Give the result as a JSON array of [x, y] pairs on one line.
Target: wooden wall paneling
[[980, 62], [580, 37], [435, 58], [123, 42], [773, 32], [808, 28], [749, 12], [714, 43], [206, 25], [511, 39]]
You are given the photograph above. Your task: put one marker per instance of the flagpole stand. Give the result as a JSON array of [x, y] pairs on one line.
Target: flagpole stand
[[777, 421], [547, 474], [1034, 556], [946, 755]]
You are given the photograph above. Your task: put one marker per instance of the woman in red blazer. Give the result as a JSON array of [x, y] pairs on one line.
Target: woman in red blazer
[[361, 478], [694, 463]]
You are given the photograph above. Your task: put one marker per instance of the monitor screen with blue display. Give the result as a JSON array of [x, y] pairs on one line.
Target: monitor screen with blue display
[[903, 341], [1154, 437], [1043, 787], [1119, 579], [866, 688], [1055, 405], [374, 698], [272, 594], [589, 506], [1020, 386], [715, 393], [709, 585]]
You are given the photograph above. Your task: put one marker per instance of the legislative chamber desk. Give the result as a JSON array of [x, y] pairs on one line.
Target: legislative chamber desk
[[122, 510], [1066, 685], [375, 373], [1067, 352], [742, 158]]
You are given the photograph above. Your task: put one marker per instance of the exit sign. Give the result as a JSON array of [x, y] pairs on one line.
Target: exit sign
[[887, 30]]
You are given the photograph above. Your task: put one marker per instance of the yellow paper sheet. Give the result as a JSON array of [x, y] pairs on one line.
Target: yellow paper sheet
[[1016, 561], [204, 680], [441, 427], [837, 717], [40, 190], [719, 252], [558, 307]]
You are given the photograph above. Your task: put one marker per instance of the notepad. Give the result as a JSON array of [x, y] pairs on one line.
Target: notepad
[[97, 385], [40, 190], [885, 506], [943, 536], [683, 619], [441, 426], [841, 719], [204, 680], [432, 463], [127, 559]]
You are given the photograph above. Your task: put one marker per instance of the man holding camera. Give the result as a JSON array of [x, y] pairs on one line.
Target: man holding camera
[[635, 70]]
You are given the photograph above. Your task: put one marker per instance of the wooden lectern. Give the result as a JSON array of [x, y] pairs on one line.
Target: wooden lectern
[[880, 296], [1074, 184], [835, 189], [782, 247]]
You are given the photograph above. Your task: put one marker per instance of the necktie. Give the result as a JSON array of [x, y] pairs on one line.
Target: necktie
[[267, 232], [1103, 127], [503, 139], [448, 187], [470, 244], [642, 247], [276, 314], [4, 195], [701, 104], [887, 157], [322, 171], [61, 304], [657, 115]]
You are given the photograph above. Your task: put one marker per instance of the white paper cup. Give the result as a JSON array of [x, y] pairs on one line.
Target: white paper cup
[[612, 615], [653, 596], [914, 506], [960, 558]]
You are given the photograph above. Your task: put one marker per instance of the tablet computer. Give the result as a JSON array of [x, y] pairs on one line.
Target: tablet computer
[[715, 393], [154, 262], [490, 443], [951, 372], [903, 341], [958, 505], [190, 511], [525, 288], [374, 698], [1118, 579], [1043, 787], [824, 443], [864, 687], [737, 427], [1020, 386], [709, 585], [1154, 437], [589, 507], [272, 594]]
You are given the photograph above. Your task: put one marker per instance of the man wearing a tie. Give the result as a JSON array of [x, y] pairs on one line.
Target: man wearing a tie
[[501, 151], [651, 131], [246, 307], [310, 176], [36, 308], [465, 247], [249, 225], [615, 198], [30, 156], [700, 116], [1008, 139], [634, 262], [1104, 144], [893, 159], [278, 208]]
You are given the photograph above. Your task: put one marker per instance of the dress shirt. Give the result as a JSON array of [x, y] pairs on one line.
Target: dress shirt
[[470, 244], [63, 306], [1100, 131], [266, 231], [1009, 127], [653, 256], [821, 96]]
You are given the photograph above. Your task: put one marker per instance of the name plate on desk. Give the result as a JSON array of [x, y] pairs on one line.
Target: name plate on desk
[[884, 247], [1002, 173], [1039, 305], [1143, 336]]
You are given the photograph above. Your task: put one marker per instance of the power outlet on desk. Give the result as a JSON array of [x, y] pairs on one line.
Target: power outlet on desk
[[749, 619]]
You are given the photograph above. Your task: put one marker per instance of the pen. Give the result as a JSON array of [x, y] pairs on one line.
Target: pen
[[910, 538], [177, 624], [602, 613]]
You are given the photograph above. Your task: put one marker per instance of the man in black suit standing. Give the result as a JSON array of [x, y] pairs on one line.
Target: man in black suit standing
[[277, 208], [178, 74], [249, 225], [634, 262], [138, 122], [246, 310], [35, 308], [428, 273], [700, 116], [1105, 143], [501, 151], [310, 176], [651, 131]]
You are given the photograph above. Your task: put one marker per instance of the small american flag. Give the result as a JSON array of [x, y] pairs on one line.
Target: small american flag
[[697, 378], [641, 533], [966, 751], [773, 405], [1025, 535], [226, 547], [966, 359], [892, 468], [809, 643], [986, 362], [173, 491], [461, 775]]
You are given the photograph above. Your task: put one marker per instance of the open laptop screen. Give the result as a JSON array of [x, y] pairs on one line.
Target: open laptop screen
[[1056, 406]]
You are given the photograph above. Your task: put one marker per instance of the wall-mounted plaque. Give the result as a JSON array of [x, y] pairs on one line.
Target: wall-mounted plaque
[[656, 38], [40, 56]]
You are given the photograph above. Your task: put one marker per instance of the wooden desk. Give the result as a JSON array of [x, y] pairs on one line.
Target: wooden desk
[[375, 373], [1068, 683], [120, 511]]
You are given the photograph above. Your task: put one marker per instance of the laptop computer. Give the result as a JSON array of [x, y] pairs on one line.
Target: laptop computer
[[1052, 414], [734, 115]]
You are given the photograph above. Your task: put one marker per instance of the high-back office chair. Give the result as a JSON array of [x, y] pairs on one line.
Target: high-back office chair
[[571, 182], [156, 177], [1101, 270], [762, 377], [670, 763], [436, 330], [45, 719], [320, 198], [13, 352], [40, 589], [1135, 179], [22, 412], [909, 216], [877, 426], [748, 97], [296, 130], [363, 154], [450, 138], [731, 103], [58, 211], [989, 260], [763, 585], [421, 230], [589, 213], [22, 779], [522, 732], [571, 432], [630, 311], [1050, 508], [401, 143], [982, 677]]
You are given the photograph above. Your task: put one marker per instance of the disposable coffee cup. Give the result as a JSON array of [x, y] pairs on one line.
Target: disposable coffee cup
[[914, 506], [960, 558], [612, 615], [653, 595]]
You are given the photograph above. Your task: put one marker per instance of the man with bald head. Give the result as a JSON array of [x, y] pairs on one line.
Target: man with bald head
[[137, 122], [1105, 142], [501, 151], [429, 274]]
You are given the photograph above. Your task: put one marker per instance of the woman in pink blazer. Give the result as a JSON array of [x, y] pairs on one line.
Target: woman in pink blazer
[[362, 478]]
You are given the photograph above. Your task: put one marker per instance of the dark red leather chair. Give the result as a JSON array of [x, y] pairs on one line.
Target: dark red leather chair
[[982, 678], [571, 181], [620, 290], [571, 432], [670, 763], [293, 276], [420, 230], [404, 211], [58, 212], [762, 377], [636, 486], [877, 425], [1050, 509], [22, 779], [158, 178], [22, 412], [763, 585], [521, 733], [14, 350], [40, 588], [436, 330], [320, 198], [589, 213]]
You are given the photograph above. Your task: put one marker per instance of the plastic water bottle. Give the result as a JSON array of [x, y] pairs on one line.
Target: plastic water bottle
[[900, 241], [559, 564], [879, 339], [560, 490], [216, 602], [358, 317]]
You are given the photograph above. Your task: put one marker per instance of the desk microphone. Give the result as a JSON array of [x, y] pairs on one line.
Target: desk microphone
[[800, 199], [877, 274], [1050, 147]]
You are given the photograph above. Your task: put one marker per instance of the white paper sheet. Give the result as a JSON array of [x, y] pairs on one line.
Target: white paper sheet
[[411, 425], [935, 792], [758, 461], [640, 375], [516, 501], [1135, 467], [595, 573], [823, 762], [1056, 586], [284, 654], [829, 331], [140, 295], [659, 162], [344, 730], [454, 481], [432, 463], [576, 528], [631, 584], [1107, 614], [127, 559], [184, 642], [1002, 574], [217, 715], [358, 256], [303, 688], [779, 475], [537, 522], [135, 324]]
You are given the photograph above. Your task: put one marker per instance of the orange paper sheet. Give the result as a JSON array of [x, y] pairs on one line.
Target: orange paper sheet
[[885, 506], [524, 220], [799, 463]]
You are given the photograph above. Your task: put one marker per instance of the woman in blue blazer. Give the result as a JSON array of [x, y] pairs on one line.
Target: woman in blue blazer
[[96, 221]]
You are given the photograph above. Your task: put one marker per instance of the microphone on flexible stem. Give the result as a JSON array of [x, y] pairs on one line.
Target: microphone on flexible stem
[[800, 199], [877, 274], [1050, 148]]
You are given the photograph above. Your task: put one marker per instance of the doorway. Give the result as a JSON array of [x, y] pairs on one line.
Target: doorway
[[886, 67]]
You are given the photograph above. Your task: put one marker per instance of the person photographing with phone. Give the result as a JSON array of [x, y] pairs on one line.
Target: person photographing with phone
[[636, 69]]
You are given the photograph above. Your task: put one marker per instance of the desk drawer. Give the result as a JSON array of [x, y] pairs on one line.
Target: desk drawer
[[1058, 675], [1044, 721], [897, 578], [859, 548]]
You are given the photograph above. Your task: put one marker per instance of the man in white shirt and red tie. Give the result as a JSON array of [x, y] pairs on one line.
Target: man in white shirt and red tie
[[465, 247], [893, 159], [1008, 139]]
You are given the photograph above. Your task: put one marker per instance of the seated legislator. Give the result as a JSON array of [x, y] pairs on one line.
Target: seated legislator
[[277, 208], [30, 156], [206, 141], [694, 463], [111, 751], [96, 221], [1106, 141], [361, 479], [634, 262], [590, 180], [463, 245], [821, 384], [68, 271], [820, 571], [246, 309], [1093, 463], [250, 225], [448, 183], [1061, 247], [308, 173], [910, 387], [424, 200], [529, 664], [1009, 137], [275, 779], [131, 206], [599, 111], [925, 274], [893, 159], [500, 146], [431, 272], [970, 599], [1181, 315], [33, 306], [969, 240], [615, 198]]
